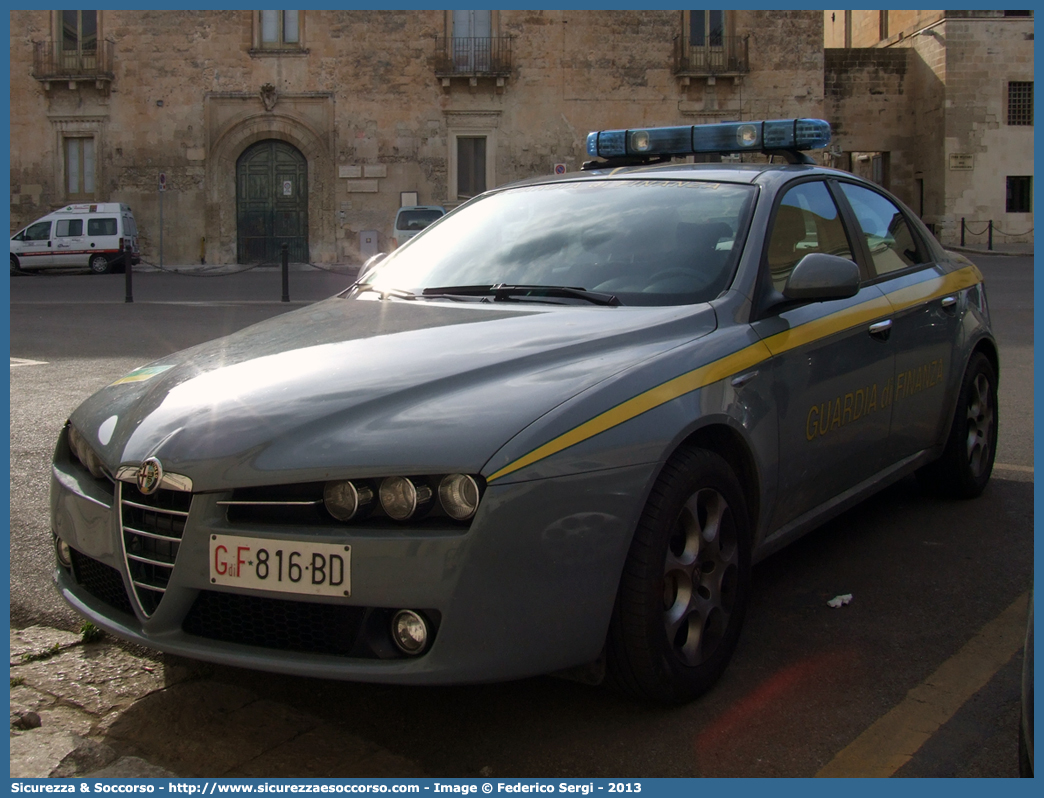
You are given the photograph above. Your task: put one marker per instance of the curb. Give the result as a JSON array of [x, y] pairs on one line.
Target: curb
[[989, 252]]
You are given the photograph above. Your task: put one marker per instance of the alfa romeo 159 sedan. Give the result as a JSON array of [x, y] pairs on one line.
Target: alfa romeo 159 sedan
[[552, 430]]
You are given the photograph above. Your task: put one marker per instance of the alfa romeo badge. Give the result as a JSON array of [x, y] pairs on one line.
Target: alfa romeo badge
[[150, 473]]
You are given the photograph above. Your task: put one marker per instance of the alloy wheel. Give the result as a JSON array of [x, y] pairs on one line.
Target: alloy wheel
[[701, 575]]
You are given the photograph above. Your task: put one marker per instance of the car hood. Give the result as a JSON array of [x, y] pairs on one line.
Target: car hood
[[351, 387]]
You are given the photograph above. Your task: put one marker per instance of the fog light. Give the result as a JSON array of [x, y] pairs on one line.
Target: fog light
[[63, 552], [409, 631], [344, 500], [459, 495], [401, 499]]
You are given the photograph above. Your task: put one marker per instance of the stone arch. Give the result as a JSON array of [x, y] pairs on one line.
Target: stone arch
[[238, 132]]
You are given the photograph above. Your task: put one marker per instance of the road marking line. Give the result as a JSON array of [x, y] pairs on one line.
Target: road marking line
[[21, 361], [892, 740], [1007, 467]]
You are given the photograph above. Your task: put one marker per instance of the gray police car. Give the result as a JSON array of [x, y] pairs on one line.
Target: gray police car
[[555, 428]]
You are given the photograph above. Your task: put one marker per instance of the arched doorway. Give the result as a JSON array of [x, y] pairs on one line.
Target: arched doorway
[[271, 203]]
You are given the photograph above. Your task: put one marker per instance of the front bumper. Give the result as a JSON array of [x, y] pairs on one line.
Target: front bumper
[[528, 588]]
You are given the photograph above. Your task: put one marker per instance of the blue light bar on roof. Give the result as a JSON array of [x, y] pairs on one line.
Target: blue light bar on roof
[[773, 134]]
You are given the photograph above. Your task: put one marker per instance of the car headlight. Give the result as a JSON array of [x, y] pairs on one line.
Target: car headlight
[[83, 452], [402, 498], [344, 499], [459, 495]]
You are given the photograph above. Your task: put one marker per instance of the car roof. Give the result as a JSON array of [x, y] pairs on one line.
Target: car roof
[[744, 173]]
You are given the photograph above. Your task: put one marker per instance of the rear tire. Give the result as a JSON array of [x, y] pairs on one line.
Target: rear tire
[[685, 585], [967, 461], [99, 264]]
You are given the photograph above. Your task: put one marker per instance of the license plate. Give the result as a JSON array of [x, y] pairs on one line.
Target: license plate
[[314, 569]]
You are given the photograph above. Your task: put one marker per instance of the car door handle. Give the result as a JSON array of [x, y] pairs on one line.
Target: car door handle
[[949, 303], [743, 379], [881, 329]]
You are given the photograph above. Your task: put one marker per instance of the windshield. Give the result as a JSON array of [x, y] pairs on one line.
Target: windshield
[[416, 220], [648, 242]]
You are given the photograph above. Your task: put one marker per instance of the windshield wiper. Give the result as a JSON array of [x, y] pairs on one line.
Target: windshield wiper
[[500, 292]]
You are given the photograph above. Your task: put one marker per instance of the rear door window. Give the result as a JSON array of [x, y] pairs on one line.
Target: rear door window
[[101, 227], [889, 238], [67, 228]]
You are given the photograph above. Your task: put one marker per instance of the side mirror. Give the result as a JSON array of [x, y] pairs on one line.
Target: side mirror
[[819, 277]]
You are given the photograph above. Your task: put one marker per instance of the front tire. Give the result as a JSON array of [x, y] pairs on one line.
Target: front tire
[[967, 462], [14, 265], [685, 585], [99, 264]]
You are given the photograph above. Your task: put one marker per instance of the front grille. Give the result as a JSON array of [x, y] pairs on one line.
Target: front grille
[[275, 623], [101, 581], [152, 528]]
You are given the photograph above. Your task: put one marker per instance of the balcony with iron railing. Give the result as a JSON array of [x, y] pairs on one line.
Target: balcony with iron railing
[[717, 56], [473, 57], [53, 64]]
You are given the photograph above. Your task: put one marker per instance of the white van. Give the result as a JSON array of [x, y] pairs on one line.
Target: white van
[[411, 219], [90, 235]]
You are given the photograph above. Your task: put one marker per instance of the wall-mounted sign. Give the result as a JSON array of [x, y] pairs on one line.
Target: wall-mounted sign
[[962, 160], [560, 168], [288, 188]]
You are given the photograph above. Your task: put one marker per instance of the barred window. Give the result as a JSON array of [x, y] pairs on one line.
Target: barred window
[[1020, 195], [1020, 102]]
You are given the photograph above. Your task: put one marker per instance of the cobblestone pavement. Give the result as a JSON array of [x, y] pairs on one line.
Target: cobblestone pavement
[[97, 709]]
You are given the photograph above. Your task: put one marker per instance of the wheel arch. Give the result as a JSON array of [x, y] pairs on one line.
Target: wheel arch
[[733, 448], [989, 348]]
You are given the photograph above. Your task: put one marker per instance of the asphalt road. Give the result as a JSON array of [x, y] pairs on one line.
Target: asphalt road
[[806, 682]]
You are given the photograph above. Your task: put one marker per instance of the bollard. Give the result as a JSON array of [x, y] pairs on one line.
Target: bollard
[[989, 243], [286, 272], [962, 231], [128, 274]]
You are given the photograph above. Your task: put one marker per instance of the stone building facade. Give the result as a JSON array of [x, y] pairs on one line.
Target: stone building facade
[[938, 106], [314, 126]]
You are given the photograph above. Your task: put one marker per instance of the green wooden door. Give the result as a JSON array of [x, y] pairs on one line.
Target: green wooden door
[[272, 203]]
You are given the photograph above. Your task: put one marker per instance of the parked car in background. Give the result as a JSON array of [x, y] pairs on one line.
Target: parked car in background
[[87, 235], [411, 219]]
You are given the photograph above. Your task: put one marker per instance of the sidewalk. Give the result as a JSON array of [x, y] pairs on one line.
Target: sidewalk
[[350, 269], [96, 709], [1024, 250]]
